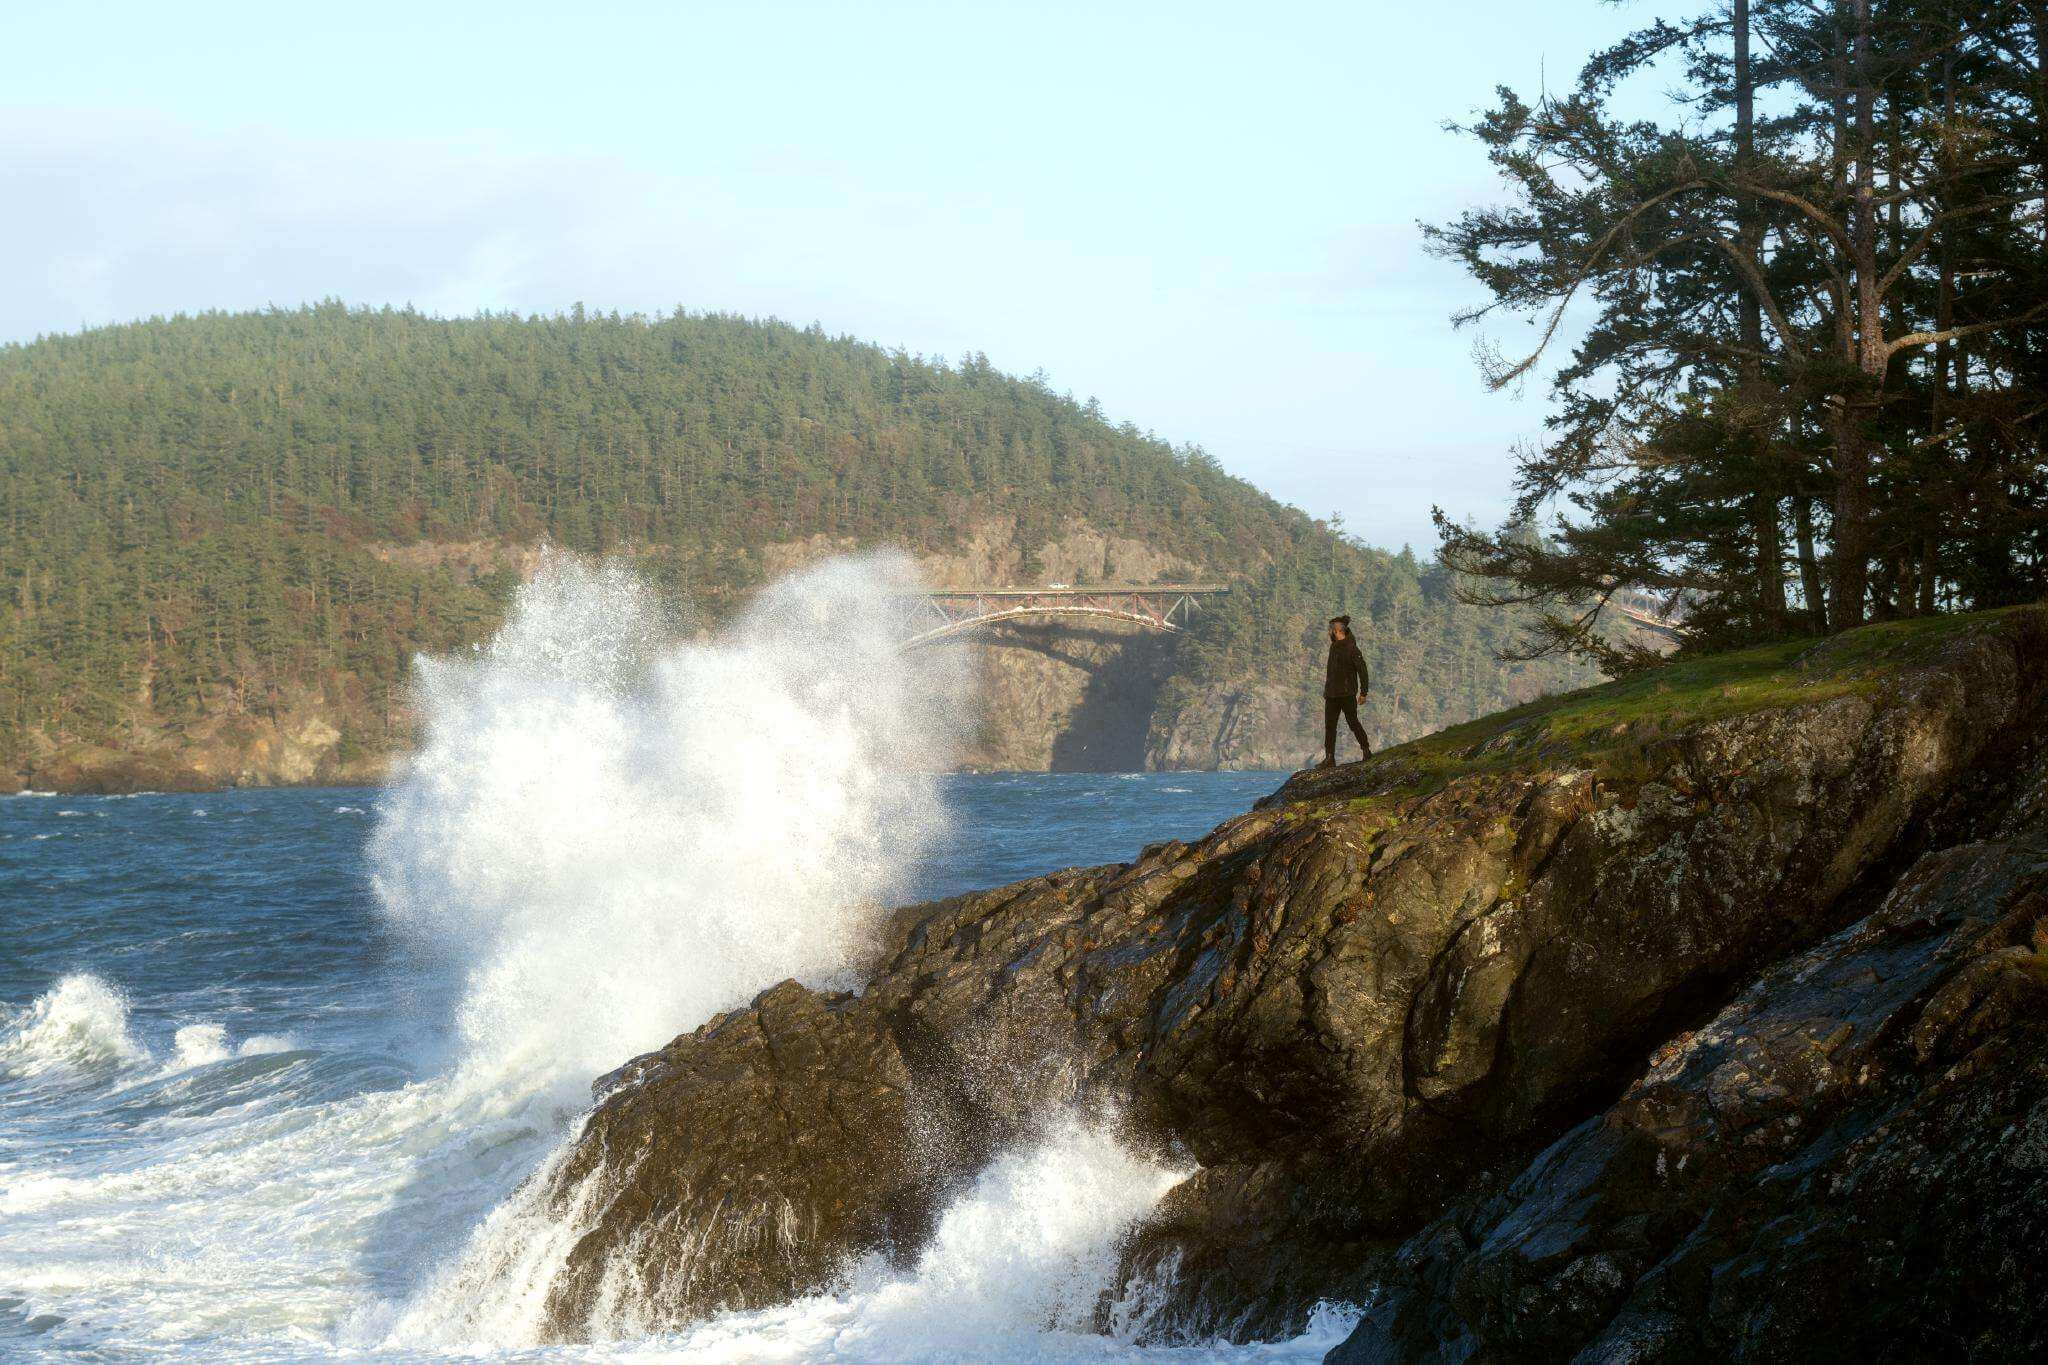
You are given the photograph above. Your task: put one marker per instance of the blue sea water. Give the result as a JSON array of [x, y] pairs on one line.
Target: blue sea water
[[230, 1125], [253, 909]]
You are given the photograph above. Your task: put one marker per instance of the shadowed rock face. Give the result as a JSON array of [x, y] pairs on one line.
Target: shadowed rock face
[[1348, 1007], [1849, 1161], [1063, 694]]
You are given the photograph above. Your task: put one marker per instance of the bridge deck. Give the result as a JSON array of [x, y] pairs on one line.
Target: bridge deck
[[1083, 590], [942, 612]]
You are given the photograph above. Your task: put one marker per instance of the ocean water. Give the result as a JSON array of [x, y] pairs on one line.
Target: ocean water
[[275, 1064]]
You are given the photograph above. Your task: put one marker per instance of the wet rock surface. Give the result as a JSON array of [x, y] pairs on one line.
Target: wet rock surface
[[1849, 1161], [1374, 996], [742, 1164]]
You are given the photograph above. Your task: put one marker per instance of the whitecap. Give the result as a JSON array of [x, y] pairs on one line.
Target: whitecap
[[80, 1022], [199, 1045], [1013, 1272], [25, 1191], [205, 1044]]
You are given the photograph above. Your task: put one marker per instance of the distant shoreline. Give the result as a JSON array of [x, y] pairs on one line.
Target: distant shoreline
[[198, 789]]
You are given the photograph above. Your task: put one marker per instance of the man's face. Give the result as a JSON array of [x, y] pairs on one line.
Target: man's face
[[1336, 631]]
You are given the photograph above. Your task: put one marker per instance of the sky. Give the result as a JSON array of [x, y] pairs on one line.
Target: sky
[[1203, 215]]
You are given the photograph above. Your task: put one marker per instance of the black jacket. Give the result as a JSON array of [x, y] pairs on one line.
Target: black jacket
[[1346, 676]]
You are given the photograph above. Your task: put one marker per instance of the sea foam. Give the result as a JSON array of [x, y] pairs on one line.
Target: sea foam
[[617, 834], [80, 1023]]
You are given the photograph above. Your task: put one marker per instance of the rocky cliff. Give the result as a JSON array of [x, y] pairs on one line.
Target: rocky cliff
[[1653, 1021], [296, 743], [1849, 1160], [1660, 1021]]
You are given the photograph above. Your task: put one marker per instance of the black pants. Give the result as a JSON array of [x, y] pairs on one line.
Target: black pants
[[1346, 707]]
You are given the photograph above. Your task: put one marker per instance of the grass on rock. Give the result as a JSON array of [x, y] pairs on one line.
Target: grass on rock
[[1617, 728]]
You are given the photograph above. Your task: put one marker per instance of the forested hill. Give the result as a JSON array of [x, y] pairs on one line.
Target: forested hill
[[218, 519]]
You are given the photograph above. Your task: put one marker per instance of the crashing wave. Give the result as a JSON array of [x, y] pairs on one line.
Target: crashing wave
[[81, 1023]]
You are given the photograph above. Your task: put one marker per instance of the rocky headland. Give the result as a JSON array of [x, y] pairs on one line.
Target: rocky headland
[[1695, 1016]]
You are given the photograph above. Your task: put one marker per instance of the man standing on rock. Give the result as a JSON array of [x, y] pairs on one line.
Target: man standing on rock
[[1345, 683]]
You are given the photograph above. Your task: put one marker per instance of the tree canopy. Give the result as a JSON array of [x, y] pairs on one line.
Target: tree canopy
[[1810, 386]]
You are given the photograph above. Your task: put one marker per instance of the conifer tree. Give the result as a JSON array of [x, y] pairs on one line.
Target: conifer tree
[[1816, 296]]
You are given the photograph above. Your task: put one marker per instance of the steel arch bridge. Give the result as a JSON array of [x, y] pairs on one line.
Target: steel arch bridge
[[943, 613], [1646, 610]]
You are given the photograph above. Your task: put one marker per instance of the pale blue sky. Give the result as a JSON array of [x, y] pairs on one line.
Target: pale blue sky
[[1202, 214]]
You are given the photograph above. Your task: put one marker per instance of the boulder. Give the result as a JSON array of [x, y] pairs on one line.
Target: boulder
[[745, 1164]]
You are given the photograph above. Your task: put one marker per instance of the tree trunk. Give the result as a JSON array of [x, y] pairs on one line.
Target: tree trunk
[[1770, 549], [1938, 401], [1894, 595], [1856, 417], [1849, 566], [1809, 565], [1770, 557], [2041, 104]]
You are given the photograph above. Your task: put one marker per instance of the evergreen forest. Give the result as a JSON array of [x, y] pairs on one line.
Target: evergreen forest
[[226, 514]]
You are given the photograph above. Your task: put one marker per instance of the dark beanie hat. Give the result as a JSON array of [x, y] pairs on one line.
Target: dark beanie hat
[[1343, 621]]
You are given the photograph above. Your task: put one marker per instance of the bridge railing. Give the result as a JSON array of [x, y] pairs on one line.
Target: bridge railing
[[1085, 590]]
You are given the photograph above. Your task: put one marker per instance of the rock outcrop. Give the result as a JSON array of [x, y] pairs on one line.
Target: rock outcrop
[[1258, 725], [1362, 1007], [300, 744], [813, 1155], [1850, 1161]]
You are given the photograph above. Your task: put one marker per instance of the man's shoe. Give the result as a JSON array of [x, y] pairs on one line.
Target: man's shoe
[[1329, 762]]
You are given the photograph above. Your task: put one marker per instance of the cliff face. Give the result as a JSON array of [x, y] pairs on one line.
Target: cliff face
[[300, 743], [1070, 695], [1850, 1160], [1520, 1033], [1060, 695], [1063, 697], [1260, 725]]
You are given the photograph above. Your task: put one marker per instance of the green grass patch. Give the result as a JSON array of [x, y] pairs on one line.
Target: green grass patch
[[1620, 727]]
